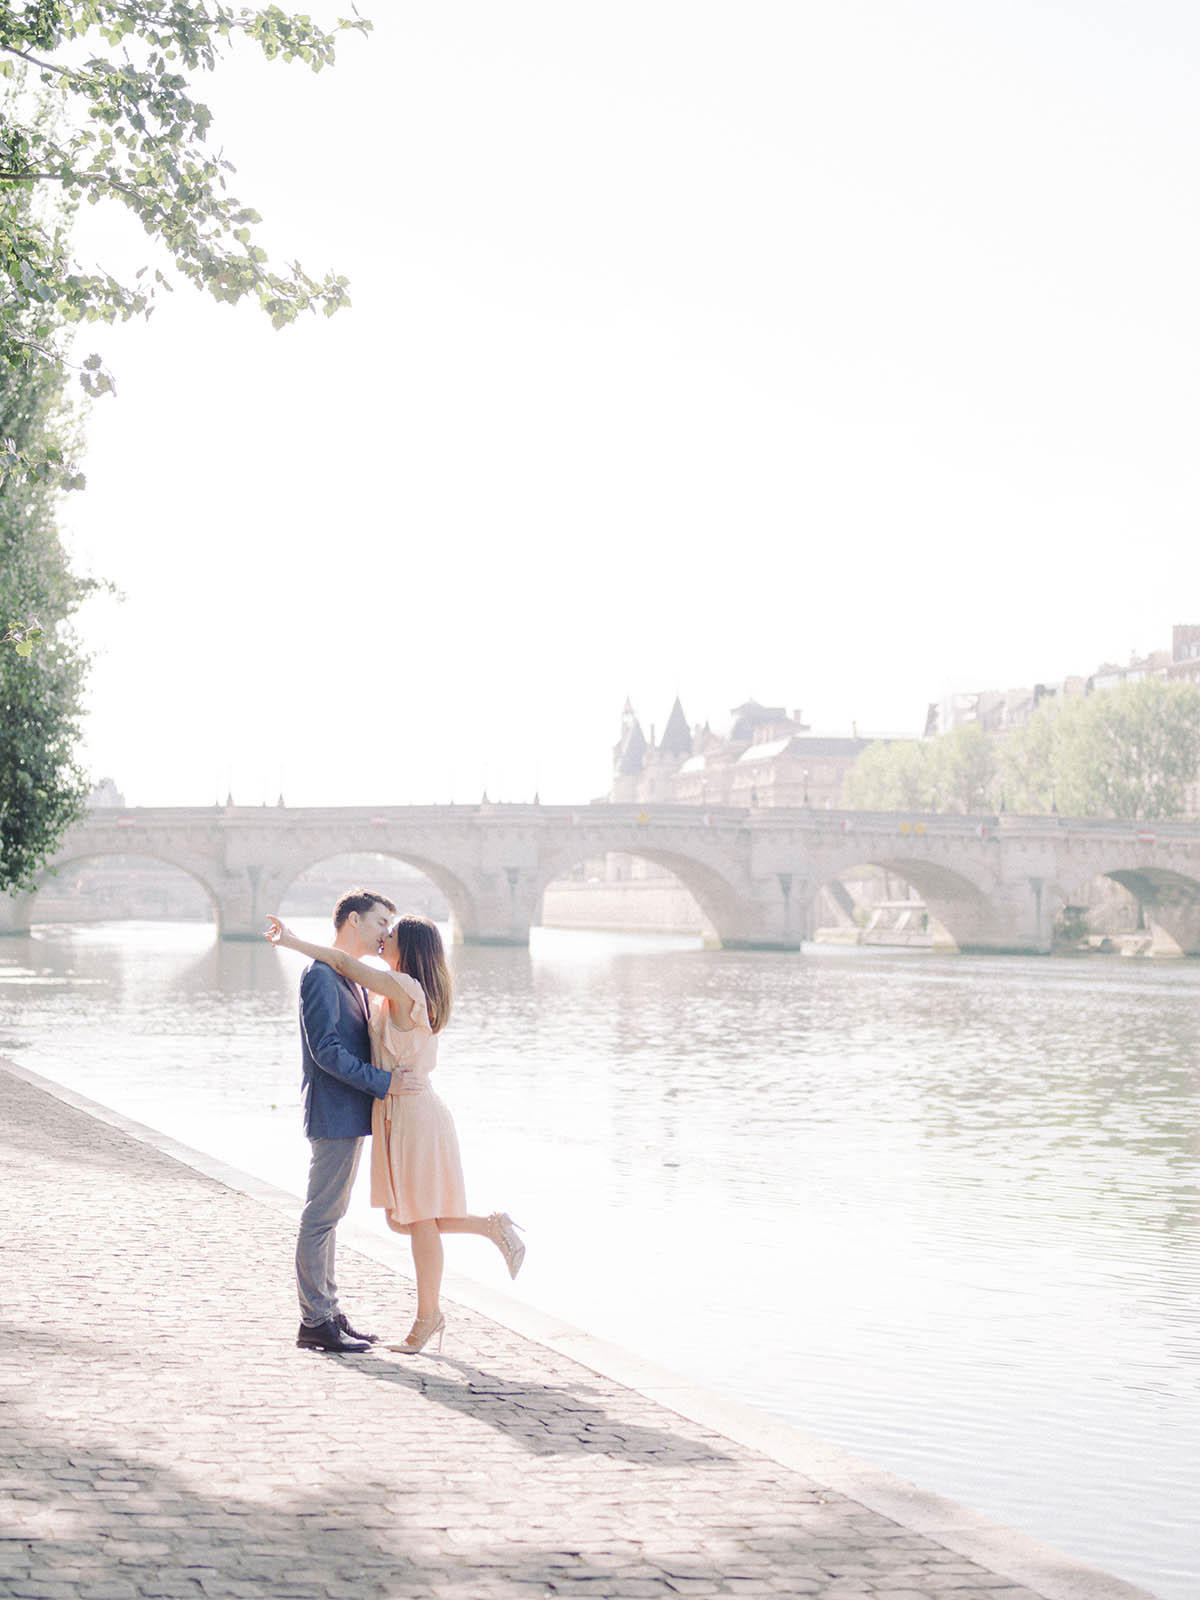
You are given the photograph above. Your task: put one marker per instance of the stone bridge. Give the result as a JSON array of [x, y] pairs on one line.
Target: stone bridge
[[995, 883]]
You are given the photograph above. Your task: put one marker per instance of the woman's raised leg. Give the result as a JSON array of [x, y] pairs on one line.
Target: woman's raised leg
[[499, 1228]]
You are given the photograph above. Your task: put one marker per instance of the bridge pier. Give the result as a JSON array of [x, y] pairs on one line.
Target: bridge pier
[[243, 898], [505, 905], [1017, 918], [778, 917]]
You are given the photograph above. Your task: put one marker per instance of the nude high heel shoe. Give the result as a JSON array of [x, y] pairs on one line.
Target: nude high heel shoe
[[502, 1231], [419, 1335]]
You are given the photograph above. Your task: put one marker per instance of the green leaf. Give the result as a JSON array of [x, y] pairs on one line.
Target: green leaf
[[131, 131]]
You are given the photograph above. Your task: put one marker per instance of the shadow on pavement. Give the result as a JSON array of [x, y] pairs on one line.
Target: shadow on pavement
[[79, 1519], [545, 1419]]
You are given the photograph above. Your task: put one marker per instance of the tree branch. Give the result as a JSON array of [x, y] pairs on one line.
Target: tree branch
[[46, 66]]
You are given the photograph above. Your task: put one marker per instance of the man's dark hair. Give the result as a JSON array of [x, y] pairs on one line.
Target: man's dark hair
[[359, 900]]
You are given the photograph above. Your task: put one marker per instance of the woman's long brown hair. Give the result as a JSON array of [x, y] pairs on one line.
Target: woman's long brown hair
[[423, 957]]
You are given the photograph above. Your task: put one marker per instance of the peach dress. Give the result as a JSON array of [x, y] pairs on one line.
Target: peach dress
[[416, 1172]]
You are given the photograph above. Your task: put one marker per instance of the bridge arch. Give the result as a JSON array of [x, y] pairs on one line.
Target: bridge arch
[[463, 915], [22, 909], [968, 907], [1170, 897], [721, 902]]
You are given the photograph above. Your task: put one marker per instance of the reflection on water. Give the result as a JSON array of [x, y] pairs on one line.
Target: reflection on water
[[942, 1211]]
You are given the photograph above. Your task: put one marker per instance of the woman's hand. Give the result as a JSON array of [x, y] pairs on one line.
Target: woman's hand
[[279, 935]]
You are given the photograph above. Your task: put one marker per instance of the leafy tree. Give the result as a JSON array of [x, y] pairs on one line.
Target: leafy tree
[[125, 127], [896, 775], [131, 131], [1030, 758], [1128, 752], [954, 772], [42, 788], [1136, 753], [964, 768]]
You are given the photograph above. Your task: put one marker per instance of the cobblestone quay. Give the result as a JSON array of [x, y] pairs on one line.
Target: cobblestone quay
[[162, 1435]]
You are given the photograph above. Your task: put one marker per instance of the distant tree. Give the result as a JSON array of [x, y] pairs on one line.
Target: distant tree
[[1030, 758], [964, 765], [129, 130], [955, 771], [892, 775], [1133, 752], [1128, 752]]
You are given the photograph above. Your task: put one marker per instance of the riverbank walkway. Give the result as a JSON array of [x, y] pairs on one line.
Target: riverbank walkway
[[162, 1435]]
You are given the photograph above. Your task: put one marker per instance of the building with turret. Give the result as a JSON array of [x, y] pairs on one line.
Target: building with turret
[[766, 757]]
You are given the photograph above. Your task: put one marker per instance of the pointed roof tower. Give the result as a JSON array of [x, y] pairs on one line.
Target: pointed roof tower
[[629, 753], [677, 736]]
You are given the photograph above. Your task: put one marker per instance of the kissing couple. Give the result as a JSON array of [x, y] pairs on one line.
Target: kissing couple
[[368, 1043]]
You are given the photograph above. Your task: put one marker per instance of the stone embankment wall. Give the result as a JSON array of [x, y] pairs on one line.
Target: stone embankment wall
[[640, 906], [663, 905]]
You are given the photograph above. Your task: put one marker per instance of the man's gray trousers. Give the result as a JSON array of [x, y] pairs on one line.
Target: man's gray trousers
[[330, 1179]]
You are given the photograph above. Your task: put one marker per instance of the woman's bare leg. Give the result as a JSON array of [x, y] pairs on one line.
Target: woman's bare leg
[[484, 1226], [428, 1258], [464, 1225], [499, 1228]]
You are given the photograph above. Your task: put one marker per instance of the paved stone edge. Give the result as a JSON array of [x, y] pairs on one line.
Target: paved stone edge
[[1051, 1573]]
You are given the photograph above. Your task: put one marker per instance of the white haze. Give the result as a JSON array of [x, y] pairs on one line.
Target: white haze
[[838, 355]]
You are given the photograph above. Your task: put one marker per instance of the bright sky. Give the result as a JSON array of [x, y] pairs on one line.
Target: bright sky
[[839, 355]]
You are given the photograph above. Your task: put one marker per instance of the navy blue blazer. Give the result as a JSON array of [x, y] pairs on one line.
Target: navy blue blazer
[[339, 1082]]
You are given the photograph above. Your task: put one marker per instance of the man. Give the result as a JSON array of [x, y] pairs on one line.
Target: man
[[339, 1085]]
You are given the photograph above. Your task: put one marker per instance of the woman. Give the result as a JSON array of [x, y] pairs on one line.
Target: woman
[[416, 1174]]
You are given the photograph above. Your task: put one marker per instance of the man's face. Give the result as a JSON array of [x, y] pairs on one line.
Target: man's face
[[370, 927]]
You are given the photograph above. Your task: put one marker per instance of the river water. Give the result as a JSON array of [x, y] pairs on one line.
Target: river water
[[941, 1211]]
